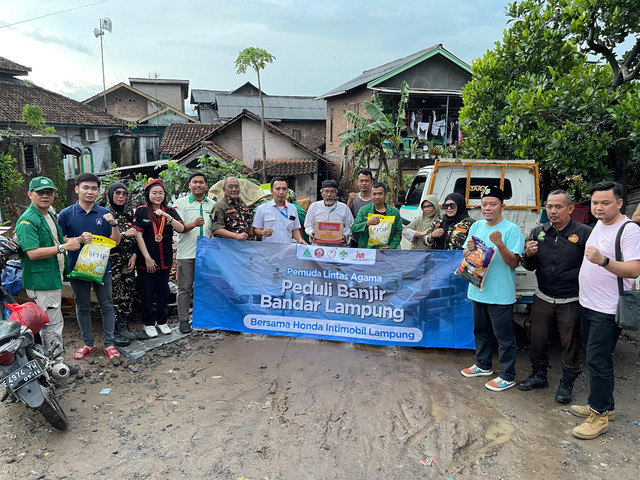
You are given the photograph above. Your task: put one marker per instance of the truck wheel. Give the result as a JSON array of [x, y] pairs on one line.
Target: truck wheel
[[51, 410]]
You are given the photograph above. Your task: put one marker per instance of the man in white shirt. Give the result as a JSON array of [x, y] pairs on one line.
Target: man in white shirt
[[599, 294], [358, 200], [195, 210], [277, 221], [328, 210]]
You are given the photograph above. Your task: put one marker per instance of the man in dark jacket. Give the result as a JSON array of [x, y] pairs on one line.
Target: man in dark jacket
[[555, 251]]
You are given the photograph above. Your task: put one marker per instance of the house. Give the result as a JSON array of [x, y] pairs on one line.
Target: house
[[435, 77], [303, 118], [146, 109], [240, 138], [84, 131]]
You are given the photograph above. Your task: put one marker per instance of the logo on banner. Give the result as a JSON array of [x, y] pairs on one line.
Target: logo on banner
[[343, 254], [318, 253], [331, 253], [306, 253]]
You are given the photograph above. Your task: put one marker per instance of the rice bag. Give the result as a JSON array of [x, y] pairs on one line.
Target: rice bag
[[379, 234], [475, 264], [93, 259]]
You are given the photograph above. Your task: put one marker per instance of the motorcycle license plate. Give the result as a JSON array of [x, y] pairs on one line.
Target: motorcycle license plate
[[23, 375]]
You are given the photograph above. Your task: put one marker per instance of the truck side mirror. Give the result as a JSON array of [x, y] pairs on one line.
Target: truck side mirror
[[402, 197]]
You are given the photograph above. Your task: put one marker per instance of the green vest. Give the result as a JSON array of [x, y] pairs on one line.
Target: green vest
[[33, 232]]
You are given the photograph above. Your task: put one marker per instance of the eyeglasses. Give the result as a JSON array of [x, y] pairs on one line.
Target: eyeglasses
[[428, 206], [121, 192], [44, 192], [449, 206]]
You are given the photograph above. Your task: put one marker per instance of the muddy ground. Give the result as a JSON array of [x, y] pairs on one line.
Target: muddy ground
[[221, 405]]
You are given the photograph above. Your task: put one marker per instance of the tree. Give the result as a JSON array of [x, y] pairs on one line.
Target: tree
[[257, 59], [539, 93], [32, 116], [368, 135]]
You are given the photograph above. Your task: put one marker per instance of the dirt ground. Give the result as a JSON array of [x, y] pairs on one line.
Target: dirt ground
[[222, 405]]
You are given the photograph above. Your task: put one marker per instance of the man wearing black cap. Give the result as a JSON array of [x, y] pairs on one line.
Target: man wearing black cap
[[329, 209], [45, 260], [493, 305]]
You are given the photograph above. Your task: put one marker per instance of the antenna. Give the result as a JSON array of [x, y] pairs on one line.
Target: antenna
[[104, 24]]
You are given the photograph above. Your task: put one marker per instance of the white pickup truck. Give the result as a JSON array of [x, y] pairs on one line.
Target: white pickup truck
[[517, 178]]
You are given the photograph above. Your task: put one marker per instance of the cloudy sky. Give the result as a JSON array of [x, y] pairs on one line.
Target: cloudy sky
[[318, 44]]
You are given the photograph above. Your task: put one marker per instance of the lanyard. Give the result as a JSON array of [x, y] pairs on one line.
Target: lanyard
[[201, 226], [284, 212]]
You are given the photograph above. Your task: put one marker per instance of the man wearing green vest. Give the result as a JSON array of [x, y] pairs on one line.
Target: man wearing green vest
[[44, 260], [195, 210]]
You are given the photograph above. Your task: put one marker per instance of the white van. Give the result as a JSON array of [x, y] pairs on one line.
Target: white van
[[517, 178]]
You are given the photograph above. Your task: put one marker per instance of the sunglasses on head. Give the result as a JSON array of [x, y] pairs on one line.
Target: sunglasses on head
[[449, 206]]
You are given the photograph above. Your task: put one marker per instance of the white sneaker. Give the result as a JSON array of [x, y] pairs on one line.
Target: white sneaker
[[151, 331], [164, 329]]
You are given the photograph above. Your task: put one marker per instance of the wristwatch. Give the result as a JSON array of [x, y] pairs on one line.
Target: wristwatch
[[605, 262], [61, 249]]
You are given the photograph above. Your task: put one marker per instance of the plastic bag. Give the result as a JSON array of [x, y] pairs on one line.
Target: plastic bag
[[475, 264], [28, 314], [379, 234], [93, 259]]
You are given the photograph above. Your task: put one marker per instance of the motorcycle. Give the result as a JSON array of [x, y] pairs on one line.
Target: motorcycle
[[27, 372]]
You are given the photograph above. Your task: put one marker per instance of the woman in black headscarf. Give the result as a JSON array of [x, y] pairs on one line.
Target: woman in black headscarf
[[123, 261], [449, 232]]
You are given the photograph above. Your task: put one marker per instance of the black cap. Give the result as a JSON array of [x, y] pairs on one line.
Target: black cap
[[493, 192], [330, 184]]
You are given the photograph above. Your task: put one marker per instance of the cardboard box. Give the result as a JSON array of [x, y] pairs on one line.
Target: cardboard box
[[329, 232]]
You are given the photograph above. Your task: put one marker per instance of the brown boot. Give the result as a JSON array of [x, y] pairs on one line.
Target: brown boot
[[595, 425], [584, 411]]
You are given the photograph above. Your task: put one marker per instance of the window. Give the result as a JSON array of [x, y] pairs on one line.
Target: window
[[478, 184], [331, 127], [86, 160], [297, 134], [29, 157], [415, 191], [150, 155]]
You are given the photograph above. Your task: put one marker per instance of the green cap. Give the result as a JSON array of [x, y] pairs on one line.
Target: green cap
[[40, 183]]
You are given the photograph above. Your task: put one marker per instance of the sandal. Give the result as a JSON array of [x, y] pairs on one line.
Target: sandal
[[84, 352], [112, 354]]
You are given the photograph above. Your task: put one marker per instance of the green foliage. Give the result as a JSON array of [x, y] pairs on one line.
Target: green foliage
[[32, 116], [254, 58], [539, 95], [10, 178]]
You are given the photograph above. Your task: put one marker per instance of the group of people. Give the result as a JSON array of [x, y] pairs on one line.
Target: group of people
[[575, 266]]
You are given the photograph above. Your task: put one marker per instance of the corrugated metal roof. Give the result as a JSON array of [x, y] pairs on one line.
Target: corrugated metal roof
[[378, 72], [276, 107]]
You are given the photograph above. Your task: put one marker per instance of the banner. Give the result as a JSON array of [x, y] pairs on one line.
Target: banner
[[387, 297]]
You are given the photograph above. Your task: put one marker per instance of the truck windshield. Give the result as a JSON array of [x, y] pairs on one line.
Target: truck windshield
[[478, 184], [415, 191]]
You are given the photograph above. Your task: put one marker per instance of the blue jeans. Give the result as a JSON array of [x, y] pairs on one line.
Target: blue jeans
[[600, 335], [488, 320], [82, 294]]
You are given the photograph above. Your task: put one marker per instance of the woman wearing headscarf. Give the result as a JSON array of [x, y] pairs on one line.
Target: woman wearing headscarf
[[154, 224], [123, 260], [449, 231], [416, 231]]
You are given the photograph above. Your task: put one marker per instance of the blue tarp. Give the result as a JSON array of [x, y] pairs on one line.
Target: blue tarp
[[386, 297]]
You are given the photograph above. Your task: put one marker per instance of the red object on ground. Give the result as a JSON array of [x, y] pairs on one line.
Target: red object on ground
[[28, 314]]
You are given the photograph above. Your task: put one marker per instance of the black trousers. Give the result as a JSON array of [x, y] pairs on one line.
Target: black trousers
[[545, 318], [154, 291]]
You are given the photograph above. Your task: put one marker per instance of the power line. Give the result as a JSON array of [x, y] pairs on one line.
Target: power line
[[51, 14]]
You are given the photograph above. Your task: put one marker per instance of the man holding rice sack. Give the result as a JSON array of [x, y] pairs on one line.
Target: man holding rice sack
[[379, 224], [98, 231], [493, 304]]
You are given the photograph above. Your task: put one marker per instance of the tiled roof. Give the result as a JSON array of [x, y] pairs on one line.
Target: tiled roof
[[7, 66], [179, 136], [216, 149], [57, 110], [287, 167]]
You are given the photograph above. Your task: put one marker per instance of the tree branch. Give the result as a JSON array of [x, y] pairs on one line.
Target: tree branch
[[603, 50]]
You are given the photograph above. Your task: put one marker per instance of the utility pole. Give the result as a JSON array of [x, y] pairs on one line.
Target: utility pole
[[104, 24]]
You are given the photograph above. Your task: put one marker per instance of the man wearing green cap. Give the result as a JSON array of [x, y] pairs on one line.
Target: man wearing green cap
[[44, 259]]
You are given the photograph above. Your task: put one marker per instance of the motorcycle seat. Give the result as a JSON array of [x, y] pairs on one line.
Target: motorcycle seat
[[9, 330]]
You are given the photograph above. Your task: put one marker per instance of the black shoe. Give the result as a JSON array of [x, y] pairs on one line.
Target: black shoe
[[565, 389], [538, 379], [121, 341], [185, 327], [72, 370]]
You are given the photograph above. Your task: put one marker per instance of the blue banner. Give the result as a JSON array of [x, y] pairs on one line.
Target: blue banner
[[386, 297]]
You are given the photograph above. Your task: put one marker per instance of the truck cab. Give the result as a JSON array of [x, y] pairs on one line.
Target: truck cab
[[517, 178]]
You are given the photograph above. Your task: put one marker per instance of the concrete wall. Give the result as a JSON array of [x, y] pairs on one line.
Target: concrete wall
[[337, 105], [123, 103], [231, 140], [435, 73], [169, 94], [101, 150]]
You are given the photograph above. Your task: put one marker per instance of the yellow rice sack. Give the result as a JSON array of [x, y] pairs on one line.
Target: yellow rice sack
[[379, 234], [93, 259]]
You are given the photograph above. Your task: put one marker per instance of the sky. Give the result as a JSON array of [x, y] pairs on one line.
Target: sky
[[318, 44]]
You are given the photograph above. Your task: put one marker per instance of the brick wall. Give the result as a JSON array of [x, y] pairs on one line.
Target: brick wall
[[354, 102], [123, 103], [312, 133]]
